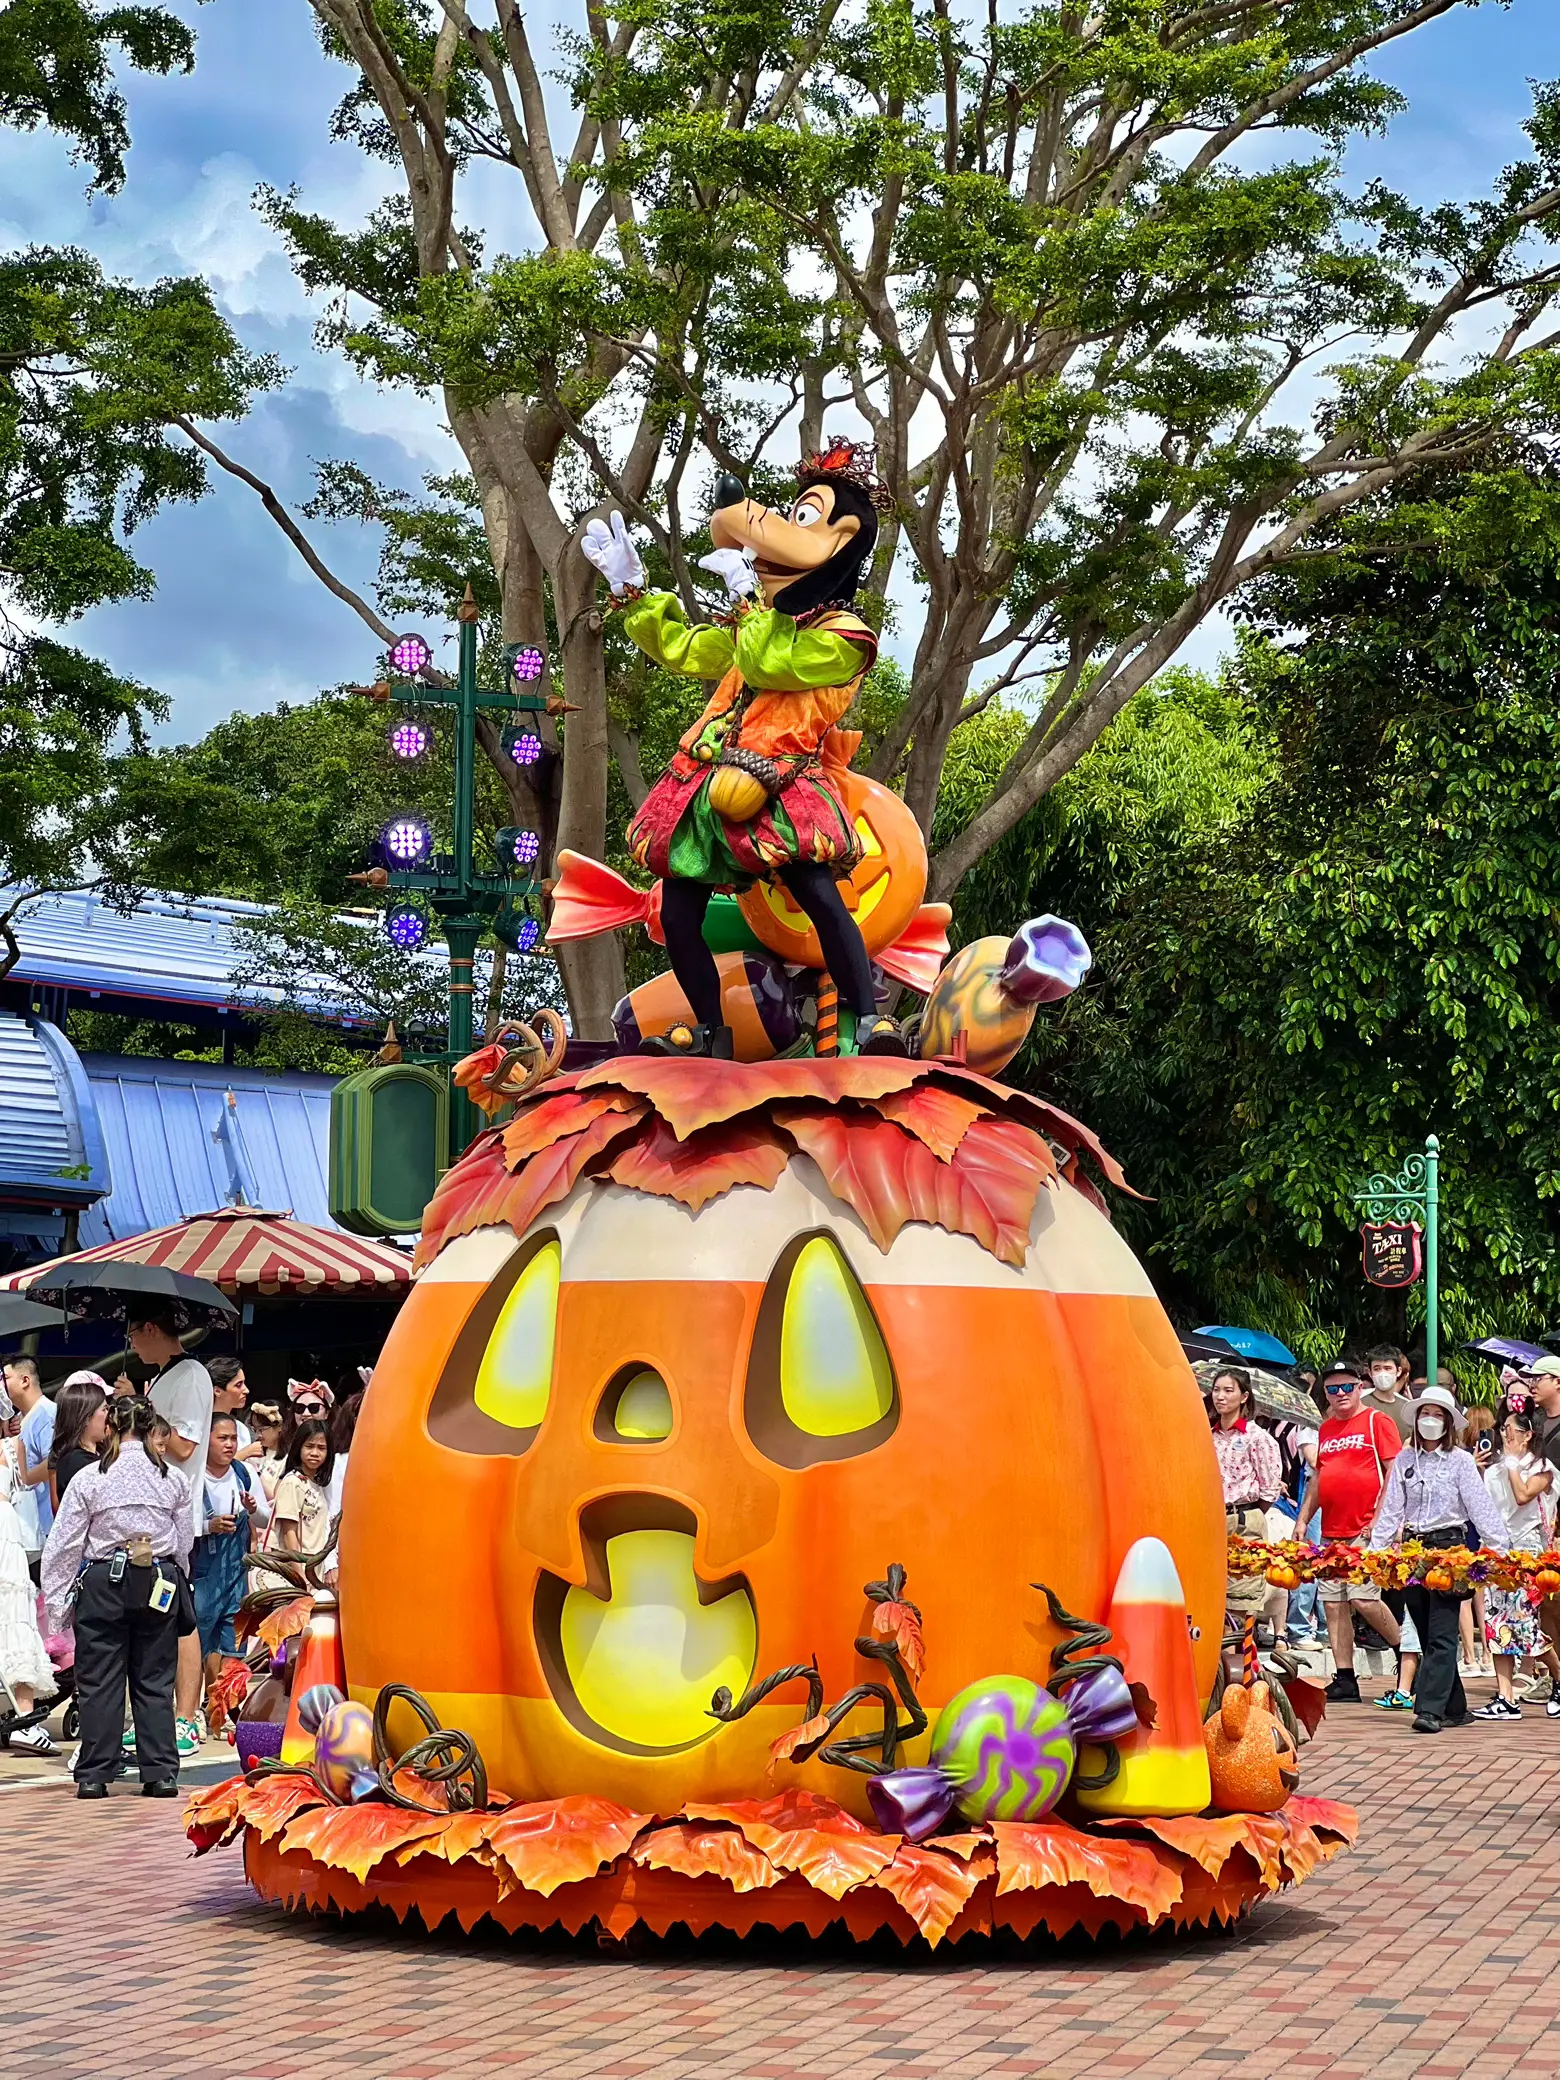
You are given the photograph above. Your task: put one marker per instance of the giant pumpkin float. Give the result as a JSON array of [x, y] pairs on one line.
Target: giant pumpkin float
[[729, 1482]]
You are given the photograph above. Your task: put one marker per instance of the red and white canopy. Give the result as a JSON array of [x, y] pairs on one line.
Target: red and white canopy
[[245, 1251]]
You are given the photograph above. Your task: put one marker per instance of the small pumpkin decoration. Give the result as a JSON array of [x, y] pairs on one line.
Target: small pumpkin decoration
[[1252, 1759], [883, 893], [1547, 1581], [696, 1345], [1438, 1578], [1282, 1576]]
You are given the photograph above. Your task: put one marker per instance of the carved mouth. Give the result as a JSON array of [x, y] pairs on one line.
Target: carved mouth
[[1289, 1778], [634, 1656]]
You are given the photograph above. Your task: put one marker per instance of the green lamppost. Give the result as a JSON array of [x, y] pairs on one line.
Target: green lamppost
[[467, 902], [1393, 1208]]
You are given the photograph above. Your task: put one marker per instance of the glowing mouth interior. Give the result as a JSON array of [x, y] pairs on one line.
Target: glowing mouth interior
[[787, 913], [644, 1664]]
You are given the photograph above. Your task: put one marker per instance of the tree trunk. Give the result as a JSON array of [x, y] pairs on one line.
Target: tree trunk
[[592, 968]]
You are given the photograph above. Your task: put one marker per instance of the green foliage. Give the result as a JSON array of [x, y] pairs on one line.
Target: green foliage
[[55, 59], [1337, 931]]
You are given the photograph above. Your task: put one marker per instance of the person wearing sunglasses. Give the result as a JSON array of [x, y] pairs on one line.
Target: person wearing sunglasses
[[1354, 1448]]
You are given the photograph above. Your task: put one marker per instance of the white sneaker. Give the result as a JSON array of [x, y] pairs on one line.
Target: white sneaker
[[33, 1740]]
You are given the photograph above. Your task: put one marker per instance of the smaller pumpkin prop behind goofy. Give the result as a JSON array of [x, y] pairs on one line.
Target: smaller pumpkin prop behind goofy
[[748, 796]]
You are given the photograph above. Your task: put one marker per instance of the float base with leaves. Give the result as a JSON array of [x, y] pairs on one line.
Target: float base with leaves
[[793, 1860]]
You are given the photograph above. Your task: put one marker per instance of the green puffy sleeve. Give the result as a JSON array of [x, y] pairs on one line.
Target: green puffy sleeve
[[775, 656], [659, 626]]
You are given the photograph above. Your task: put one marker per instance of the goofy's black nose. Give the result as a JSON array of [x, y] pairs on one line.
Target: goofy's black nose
[[729, 491]]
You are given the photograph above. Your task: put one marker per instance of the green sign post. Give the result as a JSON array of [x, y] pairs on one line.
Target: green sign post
[[468, 901], [1414, 1197]]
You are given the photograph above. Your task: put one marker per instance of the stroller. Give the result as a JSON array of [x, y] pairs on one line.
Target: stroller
[[61, 1650]]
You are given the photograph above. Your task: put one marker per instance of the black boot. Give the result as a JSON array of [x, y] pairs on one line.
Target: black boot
[[714, 1042]]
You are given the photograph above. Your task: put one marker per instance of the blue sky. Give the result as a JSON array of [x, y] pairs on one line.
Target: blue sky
[[237, 620]]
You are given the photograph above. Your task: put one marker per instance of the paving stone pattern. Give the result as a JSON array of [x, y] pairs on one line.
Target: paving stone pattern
[[1431, 1951]]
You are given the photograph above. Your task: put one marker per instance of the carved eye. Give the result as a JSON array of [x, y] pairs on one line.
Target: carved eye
[[636, 1408], [820, 1382], [1280, 1741], [496, 1387]]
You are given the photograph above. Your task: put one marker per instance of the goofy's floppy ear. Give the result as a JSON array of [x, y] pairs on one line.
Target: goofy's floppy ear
[[1234, 1711]]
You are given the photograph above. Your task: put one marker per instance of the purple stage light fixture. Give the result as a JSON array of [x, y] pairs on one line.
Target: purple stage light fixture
[[523, 746], [527, 665], [528, 934], [406, 929], [406, 841], [516, 848], [411, 656], [408, 740]]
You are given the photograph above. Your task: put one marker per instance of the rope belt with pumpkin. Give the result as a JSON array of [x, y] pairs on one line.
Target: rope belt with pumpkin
[[1453, 1570]]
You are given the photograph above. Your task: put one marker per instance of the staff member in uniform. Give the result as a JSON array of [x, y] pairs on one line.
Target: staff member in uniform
[[124, 1531], [1433, 1493]]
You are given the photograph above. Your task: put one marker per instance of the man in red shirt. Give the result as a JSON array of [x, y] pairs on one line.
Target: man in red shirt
[[1354, 1448]]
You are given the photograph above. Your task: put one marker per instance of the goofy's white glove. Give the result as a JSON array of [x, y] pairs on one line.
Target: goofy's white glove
[[734, 568], [613, 554]]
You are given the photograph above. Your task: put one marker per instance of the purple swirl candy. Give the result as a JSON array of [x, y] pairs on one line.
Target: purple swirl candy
[[1007, 1746]]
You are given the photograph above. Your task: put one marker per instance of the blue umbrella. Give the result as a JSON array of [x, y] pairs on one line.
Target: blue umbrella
[[1255, 1344], [1508, 1350]]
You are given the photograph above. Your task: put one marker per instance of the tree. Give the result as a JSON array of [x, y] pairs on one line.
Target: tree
[[1043, 258], [92, 374], [1368, 950]]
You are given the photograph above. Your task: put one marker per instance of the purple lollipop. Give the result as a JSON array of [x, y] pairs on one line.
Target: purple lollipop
[[1047, 958]]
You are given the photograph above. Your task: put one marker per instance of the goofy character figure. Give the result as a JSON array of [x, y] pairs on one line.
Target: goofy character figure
[[748, 796]]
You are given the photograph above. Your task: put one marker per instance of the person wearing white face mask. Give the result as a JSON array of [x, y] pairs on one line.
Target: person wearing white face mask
[[1433, 1493], [1390, 1373]]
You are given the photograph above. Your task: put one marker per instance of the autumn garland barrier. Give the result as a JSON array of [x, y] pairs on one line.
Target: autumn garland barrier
[[1453, 1569]]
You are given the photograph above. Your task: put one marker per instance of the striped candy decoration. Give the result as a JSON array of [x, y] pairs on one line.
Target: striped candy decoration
[[1007, 1747]]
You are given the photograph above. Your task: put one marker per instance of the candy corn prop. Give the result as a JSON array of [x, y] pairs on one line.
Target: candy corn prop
[[1164, 1767]]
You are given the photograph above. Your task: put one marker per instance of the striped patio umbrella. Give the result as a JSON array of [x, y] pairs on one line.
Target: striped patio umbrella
[[246, 1251]]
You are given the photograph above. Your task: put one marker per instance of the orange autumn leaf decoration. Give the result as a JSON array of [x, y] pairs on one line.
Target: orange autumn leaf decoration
[[785, 1747], [285, 1623], [355, 1838], [1040, 1853], [698, 1851], [270, 1801], [898, 1622], [932, 1887], [553, 1842], [213, 1815], [227, 1688], [941, 1118], [805, 1832], [705, 1165]]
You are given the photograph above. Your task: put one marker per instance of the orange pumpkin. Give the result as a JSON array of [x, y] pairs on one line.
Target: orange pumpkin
[[700, 1349], [1282, 1577], [883, 894], [1547, 1581], [1252, 1758]]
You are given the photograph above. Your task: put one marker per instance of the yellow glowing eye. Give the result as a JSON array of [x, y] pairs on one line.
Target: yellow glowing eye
[[835, 1376], [515, 1376], [644, 1408]]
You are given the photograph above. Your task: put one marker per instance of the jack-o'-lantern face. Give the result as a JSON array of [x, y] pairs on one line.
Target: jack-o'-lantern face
[[882, 894], [641, 1452], [1252, 1760]]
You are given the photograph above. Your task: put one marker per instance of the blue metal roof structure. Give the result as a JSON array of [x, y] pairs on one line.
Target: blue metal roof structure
[[169, 954], [52, 1155], [177, 1148]]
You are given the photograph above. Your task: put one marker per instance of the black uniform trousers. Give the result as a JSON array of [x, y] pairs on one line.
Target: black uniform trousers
[[119, 1635], [1438, 1692]]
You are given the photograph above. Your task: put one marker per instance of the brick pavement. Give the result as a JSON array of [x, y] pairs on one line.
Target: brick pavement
[[1432, 1951]]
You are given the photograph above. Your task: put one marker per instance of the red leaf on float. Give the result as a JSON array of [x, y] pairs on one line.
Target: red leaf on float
[[786, 1746], [932, 1887], [803, 1831], [355, 1838], [1039, 1115], [517, 1199], [554, 1116], [463, 1834], [898, 1622], [939, 1118], [270, 1801], [698, 1093], [706, 1852], [1032, 1855], [705, 1165], [558, 1841], [285, 1622], [888, 1177], [1311, 1840], [1307, 1700], [464, 1184], [917, 955], [227, 1688], [212, 1814]]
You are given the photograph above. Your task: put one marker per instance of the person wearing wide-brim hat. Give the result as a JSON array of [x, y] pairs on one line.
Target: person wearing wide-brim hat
[[1432, 1494]]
